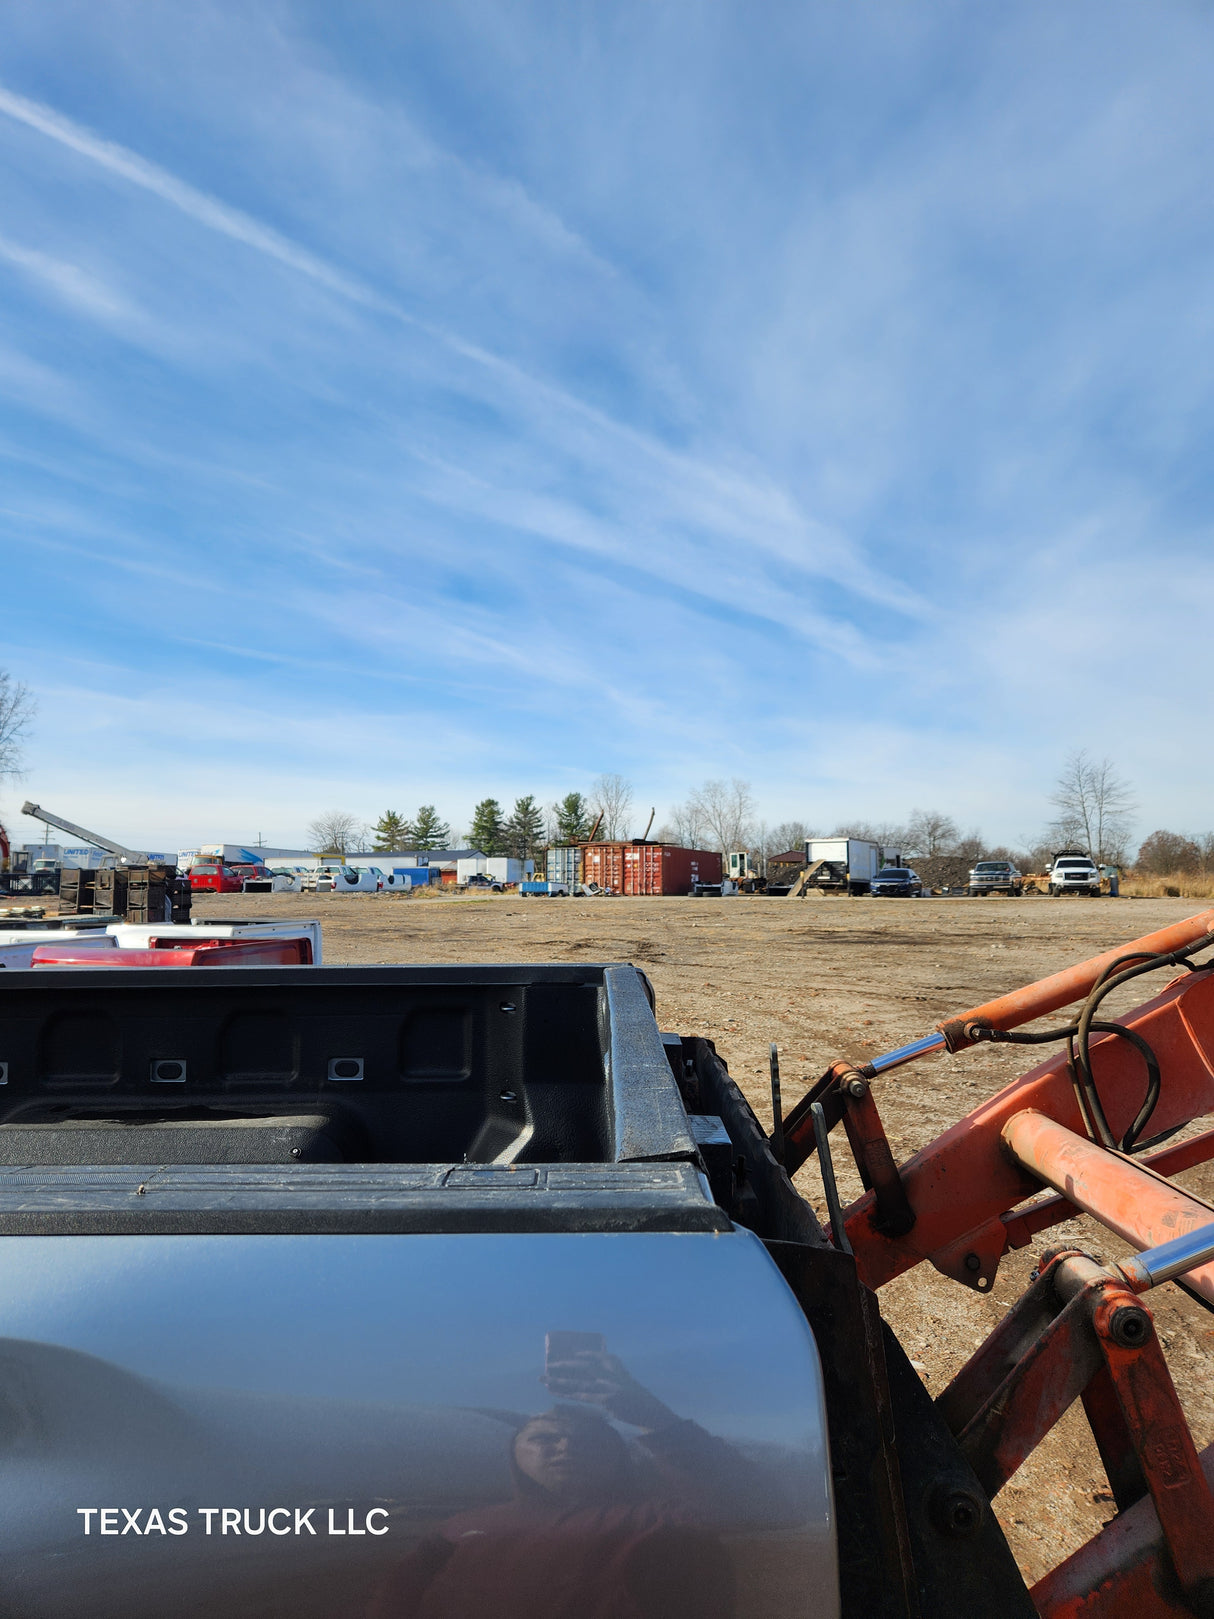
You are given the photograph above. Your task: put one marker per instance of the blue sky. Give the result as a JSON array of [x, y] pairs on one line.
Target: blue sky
[[405, 404]]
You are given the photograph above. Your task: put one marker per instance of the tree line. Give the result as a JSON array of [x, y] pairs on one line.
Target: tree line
[[522, 832], [1093, 809]]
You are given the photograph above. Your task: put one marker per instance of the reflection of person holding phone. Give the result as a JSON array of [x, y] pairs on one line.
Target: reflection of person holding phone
[[587, 1535]]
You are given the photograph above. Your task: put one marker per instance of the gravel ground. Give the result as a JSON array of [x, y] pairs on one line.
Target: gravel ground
[[827, 978]]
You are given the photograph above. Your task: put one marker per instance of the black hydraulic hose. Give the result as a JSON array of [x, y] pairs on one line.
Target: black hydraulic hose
[[1148, 964], [1016, 1037], [1083, 1063], [1154, 1083], [1122, 961], [1119, 972], [1091, 1109], [1076, 1035], [1151, 963]]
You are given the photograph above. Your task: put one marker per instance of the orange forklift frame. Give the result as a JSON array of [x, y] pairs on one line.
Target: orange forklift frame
[[1081, 1331]]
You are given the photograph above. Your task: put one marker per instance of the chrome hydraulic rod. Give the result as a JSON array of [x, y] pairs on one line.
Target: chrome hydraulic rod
[[1169, 1260], [908, 1053]]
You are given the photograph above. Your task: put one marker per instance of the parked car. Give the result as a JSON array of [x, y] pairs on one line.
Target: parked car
[[480, 879], [898, 882], [1074, 873], [995, 877]]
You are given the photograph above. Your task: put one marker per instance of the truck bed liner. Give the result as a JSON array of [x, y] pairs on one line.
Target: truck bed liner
[[323, 1099]]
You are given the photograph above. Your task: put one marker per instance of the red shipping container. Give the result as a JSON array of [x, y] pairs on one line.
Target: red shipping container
[[649, 868]]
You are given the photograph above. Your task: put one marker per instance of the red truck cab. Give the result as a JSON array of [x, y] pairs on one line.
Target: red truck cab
[[216, 876]]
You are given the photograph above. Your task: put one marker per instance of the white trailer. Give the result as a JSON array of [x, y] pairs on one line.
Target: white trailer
[[849, 864], [233, 854], [504, 869], [82, 858], [497, 868]]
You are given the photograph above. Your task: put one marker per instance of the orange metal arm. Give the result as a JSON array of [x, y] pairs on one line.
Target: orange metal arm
[[961, 1183], [1073, 984], [1118, 1572], [1142, 1207]]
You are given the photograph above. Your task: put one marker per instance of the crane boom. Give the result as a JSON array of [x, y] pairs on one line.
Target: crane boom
[[37, 813]]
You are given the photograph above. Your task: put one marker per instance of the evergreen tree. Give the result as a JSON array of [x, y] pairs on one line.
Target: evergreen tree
[[525, 828], [487, 832], [391, 832], [428, 832], [572, 819]]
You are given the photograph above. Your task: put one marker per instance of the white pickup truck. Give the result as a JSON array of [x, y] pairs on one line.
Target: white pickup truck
[[1074, 873]]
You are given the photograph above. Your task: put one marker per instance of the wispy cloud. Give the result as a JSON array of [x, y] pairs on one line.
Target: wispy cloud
[[195, 204], [67, 281], [708, 497]]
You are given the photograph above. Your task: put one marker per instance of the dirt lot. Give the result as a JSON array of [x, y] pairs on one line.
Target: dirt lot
[[825, 978]]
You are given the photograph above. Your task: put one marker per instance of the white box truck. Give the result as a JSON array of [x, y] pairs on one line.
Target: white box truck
[[485, 871], [504, 869], [846, 865]]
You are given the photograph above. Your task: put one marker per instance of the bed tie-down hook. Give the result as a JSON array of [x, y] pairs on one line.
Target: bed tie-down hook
[[821, 1142], [844, 1094]]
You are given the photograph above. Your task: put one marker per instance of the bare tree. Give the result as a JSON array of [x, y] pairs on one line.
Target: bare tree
[[1035, 854], [970, 845], [335, 832], [1165, 852], [685, 827], [787, 836], [17, 709], [930, 832], [611, 797], [1095, 807], [725, 810], [886, 833], [766, 841]]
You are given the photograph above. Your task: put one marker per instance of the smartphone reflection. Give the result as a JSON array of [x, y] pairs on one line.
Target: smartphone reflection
[[596, 1527]]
